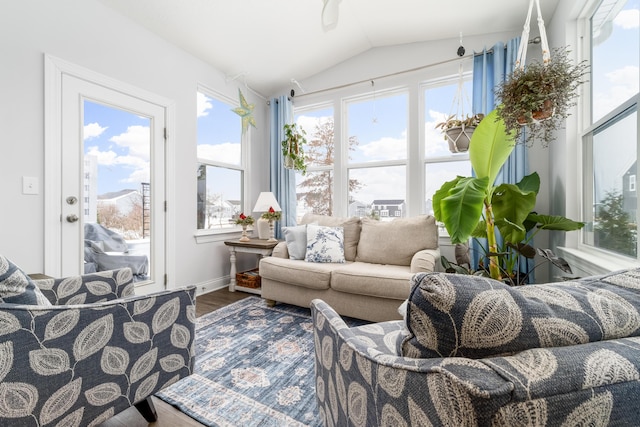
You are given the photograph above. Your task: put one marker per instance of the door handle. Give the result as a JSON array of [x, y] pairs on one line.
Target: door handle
[[72, 218]]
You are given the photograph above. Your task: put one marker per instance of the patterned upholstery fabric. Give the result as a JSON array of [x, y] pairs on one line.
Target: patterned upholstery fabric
[[80, 364], [469, 316], [362, 381], [16, 287]]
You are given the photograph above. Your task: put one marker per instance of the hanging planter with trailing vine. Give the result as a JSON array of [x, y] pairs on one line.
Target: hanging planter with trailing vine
[[539, 95], [293, 148]]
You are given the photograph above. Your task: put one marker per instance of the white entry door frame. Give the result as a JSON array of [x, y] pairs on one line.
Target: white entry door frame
[[66, 85]]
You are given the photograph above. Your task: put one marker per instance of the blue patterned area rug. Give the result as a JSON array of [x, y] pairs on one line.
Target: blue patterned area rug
[[254, 367]]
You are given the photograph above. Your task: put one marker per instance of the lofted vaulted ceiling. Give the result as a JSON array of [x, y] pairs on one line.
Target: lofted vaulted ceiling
[[269, 42]]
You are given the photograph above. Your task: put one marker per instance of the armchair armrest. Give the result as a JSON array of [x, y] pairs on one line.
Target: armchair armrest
[[281, 250], [81, 364], [425, 260], [452, 391], [88, 288]]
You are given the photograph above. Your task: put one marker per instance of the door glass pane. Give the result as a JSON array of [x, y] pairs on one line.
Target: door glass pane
[[116, 195]]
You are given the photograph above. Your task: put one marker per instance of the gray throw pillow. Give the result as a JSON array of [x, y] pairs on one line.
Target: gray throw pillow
[[296, 238], [18, 288], [455, 315]]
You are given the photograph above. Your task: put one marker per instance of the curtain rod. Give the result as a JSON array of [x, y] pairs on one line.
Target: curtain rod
[[397, 73], [535, 40]]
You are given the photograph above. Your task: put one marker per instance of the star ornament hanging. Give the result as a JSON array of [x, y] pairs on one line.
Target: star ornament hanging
[[245, 111]]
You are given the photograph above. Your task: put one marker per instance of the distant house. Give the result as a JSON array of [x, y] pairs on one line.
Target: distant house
[[123, 200], [359, 209], [388, 209]]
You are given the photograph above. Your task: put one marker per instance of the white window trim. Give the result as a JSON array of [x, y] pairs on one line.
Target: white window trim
[[584, 257], [218, 235]]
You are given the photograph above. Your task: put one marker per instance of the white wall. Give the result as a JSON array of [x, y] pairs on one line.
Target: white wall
[[86, 33]]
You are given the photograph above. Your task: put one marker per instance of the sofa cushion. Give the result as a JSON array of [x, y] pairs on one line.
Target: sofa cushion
[[18, 288], [470, 316], [297, 272], [296, 238], [351, 228], [376, 280], [325, 244], [395, 242]]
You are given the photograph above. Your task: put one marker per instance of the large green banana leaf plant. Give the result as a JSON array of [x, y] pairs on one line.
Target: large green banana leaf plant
[[476, 207]]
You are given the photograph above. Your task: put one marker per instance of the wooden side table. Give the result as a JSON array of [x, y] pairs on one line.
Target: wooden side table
[[255, 246]]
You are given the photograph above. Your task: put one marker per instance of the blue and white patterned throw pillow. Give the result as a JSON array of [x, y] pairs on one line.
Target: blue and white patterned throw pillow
[[16, 287], [325, 244]]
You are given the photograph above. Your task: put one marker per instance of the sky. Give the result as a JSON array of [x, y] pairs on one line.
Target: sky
[[120, 139]]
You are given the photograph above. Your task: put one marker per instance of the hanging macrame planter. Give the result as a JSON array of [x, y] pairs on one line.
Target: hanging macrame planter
[[547, 110], [459, 127]]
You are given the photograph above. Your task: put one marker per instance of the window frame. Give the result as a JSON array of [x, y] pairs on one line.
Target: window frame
[[321, 168], [583, 256], [216, 234], [348, 166]]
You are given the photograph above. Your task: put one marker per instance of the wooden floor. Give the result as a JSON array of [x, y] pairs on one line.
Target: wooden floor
[[168, 416]]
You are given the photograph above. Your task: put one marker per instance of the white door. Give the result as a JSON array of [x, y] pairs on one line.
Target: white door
[[112, 182]]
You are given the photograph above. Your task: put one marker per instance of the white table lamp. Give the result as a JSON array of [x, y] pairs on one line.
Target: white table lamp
[[266, 200]]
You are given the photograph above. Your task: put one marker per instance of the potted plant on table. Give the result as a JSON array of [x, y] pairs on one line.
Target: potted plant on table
[[244, 221], [476, 207], [293, 148], [539, 95], [458, 131], [271, 215]]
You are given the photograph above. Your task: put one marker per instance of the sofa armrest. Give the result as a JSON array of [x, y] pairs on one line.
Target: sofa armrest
[[425, 260], [88, 288], [85, 363], [281, 250]]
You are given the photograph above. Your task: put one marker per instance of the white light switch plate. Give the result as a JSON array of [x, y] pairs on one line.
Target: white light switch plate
[[30, 185]]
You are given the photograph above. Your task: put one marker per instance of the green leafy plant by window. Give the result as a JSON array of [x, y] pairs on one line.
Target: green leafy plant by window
[[476, 207]]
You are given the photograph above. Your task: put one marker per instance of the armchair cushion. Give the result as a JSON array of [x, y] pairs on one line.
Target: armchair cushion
[[18, 288], [454, 315]]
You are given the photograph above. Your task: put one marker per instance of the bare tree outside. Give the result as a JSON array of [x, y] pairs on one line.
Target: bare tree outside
[[316, 187], [128, 224]]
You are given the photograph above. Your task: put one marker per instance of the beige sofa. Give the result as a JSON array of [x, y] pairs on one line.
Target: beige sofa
[[380, 259]]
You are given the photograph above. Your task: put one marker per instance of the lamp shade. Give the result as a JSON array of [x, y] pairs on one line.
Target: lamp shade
[[266, 200]]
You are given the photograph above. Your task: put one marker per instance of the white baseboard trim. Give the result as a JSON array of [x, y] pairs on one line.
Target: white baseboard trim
[[212, 285]]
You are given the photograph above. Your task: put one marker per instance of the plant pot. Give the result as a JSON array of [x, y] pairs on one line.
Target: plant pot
[[288, 162], [459, 138], [539, 115]]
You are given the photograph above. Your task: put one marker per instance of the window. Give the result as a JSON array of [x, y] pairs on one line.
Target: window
[[314, 190], [440, 164], [220, 175], [377, 163], [610, 141]]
